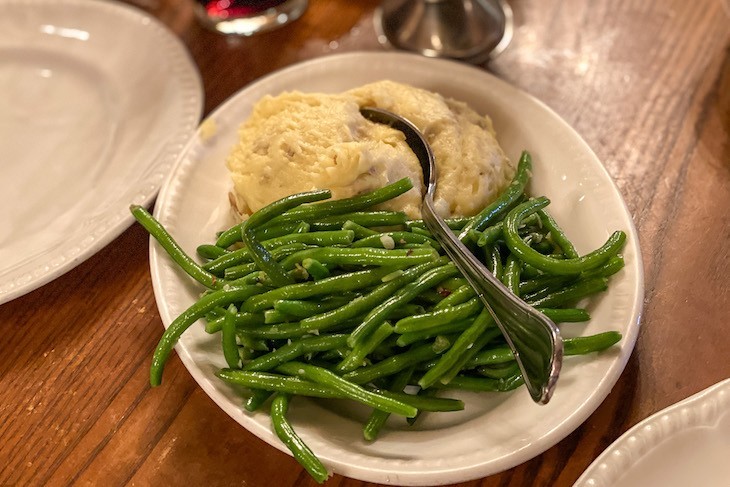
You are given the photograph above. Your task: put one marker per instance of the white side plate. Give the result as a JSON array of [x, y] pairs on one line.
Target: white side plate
[[687, 443], [98, 100], [496, 431]]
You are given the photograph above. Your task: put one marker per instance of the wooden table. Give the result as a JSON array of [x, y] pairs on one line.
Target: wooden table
[[647, 84]]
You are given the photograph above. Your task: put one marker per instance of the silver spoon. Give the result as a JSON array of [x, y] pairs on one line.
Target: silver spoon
[[534, 339]]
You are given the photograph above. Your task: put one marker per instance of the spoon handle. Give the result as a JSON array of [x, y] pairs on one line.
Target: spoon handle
[[533, 338]]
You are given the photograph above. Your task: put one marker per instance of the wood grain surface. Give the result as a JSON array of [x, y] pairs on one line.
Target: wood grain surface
[[647, 84]]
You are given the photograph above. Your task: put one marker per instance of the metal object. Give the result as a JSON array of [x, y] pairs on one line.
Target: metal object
[[247, 18], [466, 30], [533, 338]]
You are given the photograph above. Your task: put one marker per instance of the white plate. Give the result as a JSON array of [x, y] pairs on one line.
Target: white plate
[[98, 100], [687, 443], [496, 431]]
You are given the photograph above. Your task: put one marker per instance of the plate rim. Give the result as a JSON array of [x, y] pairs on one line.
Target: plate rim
[[607, 468], [443, 476], [27, 276]]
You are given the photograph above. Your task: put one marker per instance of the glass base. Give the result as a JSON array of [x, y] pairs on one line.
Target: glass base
[[245, 25]]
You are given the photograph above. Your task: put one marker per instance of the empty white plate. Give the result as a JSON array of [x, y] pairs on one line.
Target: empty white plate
[[687, 443], [98, 100]]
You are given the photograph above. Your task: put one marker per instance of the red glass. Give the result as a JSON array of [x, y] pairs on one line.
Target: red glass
[[237, 8]]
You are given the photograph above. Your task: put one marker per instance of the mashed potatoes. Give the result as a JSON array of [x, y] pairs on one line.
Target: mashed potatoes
[[298, 142]]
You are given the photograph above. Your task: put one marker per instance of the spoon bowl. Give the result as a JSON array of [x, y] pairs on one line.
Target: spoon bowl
[[533, 338]]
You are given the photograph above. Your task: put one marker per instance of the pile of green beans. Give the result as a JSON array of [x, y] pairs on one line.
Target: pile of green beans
[[339, 299]]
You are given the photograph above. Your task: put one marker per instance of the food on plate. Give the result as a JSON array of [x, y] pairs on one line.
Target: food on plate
[[297, 142], [331, 286], [310, 302]]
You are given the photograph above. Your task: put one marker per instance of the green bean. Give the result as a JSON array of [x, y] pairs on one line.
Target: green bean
[[571, 346], [272, 317], [228, 338], [365, 257], [497, 355], [237, 271], [242, 320], [275, 271], [359, 230], [425, 394], [283, 331], [370, 300], [331, 285], [264, 260], [266, 381], [421, 231], [314, 212], [565, 315], [572, 293], [294, 350], [304, 309], [557, 235], [549, 264], [542, 245], [511, 275], [315, 269], [390, 240], [513, 192], [176, 253], [297, 274], [447, 286], [299, 449], [363, 218], [409, 309], [530, 272], [483, 384], [378, 418], [350, 390], [280, 230], [479, 344], [222, 297], [487, 237], [257, 399], [238, 256], [391, 365], [465, 341], [425, 402], [267, 213], [502, 371], [405, 295], [614, 264], [592, 343], [459, 296], [438, 317], [493, 260], [210, 252], [429, 297], [356, 357], [251, 343], [426, 333], [543, 282], [492, 234], [454, 223]]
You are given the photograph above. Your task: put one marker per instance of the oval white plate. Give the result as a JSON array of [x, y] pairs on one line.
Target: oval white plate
[[687, 443], [495, 431], [98, 100]]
